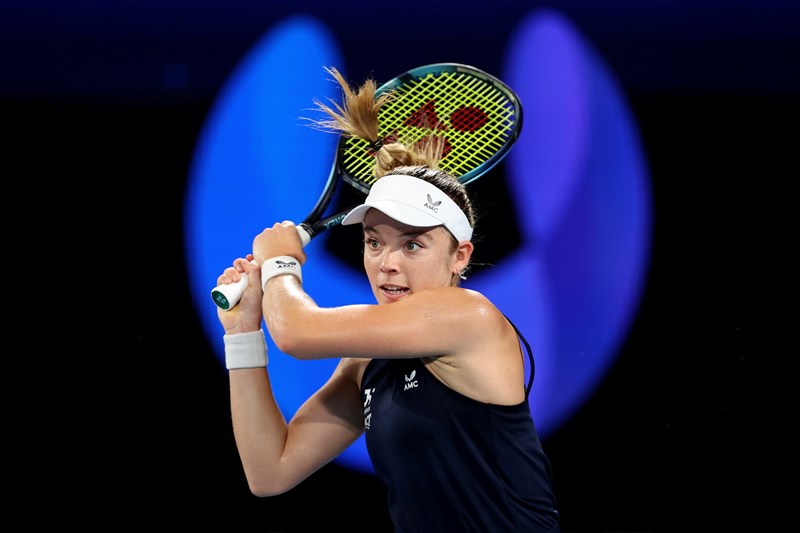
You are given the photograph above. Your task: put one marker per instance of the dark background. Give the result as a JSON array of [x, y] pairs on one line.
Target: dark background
[[102, 103]]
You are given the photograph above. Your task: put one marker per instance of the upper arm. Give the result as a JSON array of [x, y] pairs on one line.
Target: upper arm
[[425, 324]]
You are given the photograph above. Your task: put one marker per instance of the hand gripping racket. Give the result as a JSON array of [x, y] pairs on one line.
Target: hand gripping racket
[[477, 116]]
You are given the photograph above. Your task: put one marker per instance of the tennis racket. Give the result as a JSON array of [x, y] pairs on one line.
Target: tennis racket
[[476, 116]]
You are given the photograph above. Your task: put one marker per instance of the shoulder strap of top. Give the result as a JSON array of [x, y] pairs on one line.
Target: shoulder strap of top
[[530, 357]]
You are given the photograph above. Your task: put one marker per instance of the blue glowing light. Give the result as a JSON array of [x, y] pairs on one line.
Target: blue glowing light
[[578, 179]]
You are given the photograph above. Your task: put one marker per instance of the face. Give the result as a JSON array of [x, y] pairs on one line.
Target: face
[[400, 259]]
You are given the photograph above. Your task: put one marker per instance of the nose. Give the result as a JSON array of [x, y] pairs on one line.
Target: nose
[[389, 260]]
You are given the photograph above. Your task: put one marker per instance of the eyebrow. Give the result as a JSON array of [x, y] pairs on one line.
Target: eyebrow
[[407, 234]]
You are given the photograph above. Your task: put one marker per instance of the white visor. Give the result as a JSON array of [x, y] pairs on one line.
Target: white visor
[[414, 202]]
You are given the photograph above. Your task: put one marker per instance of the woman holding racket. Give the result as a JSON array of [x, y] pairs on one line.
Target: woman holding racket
[[433, 373]]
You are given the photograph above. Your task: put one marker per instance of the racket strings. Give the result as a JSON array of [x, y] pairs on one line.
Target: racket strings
[[475, 118]]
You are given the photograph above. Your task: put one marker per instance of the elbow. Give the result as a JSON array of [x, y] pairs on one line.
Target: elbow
[[263, 491], [291, 342], [286, 342], [296, 329], [265, 487]]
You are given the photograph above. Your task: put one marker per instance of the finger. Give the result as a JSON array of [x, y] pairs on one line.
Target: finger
[[233, 274]]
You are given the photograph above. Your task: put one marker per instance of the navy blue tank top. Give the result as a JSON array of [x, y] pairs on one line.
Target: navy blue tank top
[[451, 463]]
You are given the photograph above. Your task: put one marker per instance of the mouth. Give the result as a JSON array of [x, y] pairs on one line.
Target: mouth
[[394, 290]]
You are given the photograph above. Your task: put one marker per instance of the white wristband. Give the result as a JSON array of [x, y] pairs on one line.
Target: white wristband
[[245, 350], [275, 266]]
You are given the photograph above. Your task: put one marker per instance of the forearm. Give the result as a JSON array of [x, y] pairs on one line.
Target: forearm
[[288, 313], [260, 430], [258, 424]]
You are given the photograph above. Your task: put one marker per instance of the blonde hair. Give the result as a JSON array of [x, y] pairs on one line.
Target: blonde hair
[[358, 117]]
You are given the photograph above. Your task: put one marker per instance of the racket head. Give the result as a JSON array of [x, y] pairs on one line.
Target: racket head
[[477, 116]]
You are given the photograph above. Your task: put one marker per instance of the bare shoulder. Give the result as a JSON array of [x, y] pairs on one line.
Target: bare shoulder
[[486, 363], [465, 304], [464, 318]]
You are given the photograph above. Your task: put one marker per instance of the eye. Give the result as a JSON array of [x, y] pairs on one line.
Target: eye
[[412, 246], [371, 243]]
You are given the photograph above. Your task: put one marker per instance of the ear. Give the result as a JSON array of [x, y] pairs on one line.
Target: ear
[[463, 255]]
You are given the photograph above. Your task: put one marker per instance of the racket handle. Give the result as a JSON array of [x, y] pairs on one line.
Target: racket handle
[[305, 232], [227, 295]]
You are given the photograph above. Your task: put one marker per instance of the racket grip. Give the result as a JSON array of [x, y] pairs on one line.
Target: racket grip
[[226, 296], [305, 232]]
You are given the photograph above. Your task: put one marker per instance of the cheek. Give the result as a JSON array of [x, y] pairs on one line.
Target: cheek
[[371, 264], [435, 273]]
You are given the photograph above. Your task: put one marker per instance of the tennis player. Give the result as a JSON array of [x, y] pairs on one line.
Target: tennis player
[[432, 373]]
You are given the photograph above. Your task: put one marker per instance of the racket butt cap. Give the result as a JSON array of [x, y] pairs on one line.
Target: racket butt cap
[[227, 296]]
